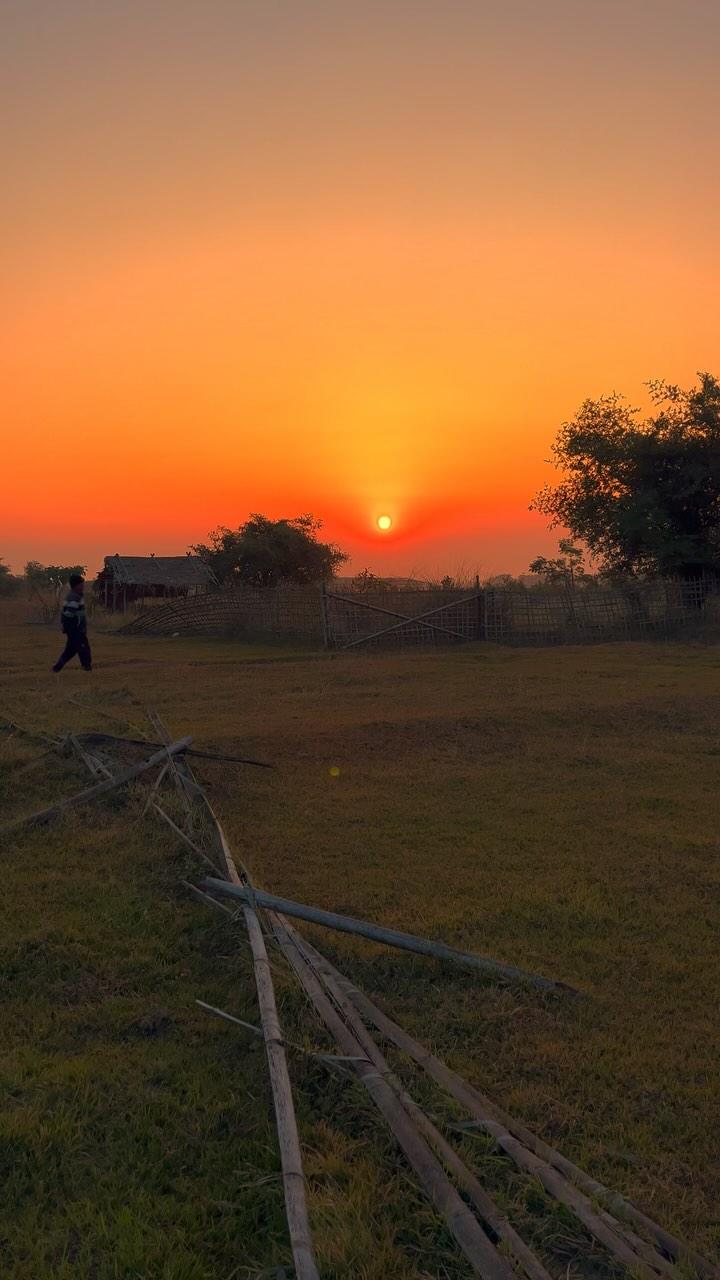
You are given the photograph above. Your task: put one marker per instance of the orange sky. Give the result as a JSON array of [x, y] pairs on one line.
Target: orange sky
[[351, 258]]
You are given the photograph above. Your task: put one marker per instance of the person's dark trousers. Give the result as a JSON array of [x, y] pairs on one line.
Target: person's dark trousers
[[77, 643]]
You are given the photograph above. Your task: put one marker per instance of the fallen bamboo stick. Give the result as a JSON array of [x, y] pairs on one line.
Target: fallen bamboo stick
[[184, 837], [91, 762], [205, 897], [95, 736], [390, 937], [155, 789], [288, 1137], [230, 1017], [478, 1249], [485, 1205], [332, 1058], [534, 1154], [97, 792]]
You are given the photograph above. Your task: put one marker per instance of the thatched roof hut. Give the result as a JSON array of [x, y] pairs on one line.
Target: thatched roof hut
[[128, 578]]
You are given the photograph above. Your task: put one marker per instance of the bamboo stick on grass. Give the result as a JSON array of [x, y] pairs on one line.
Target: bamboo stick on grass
[[288, 1137], [390, 937], [93, 736], [91, 762]]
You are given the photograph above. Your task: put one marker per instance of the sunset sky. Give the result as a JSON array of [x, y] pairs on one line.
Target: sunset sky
[[353, 257]]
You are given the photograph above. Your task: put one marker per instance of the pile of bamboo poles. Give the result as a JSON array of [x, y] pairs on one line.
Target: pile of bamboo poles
[[481, 1229]]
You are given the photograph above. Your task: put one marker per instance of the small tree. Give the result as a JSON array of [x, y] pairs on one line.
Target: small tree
[[366, 581], [43, 577], [503, 582], [567, 569], [263, 552], [643, 495], [8, 582]]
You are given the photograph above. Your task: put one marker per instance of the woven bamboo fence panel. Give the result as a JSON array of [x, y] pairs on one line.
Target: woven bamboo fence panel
[[660, 608], [237, 611]]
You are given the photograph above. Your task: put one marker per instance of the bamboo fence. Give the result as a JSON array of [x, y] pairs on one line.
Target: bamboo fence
[[340, 620]]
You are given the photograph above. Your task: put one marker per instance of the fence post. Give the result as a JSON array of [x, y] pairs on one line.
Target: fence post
[[324, 611], [478, 609]]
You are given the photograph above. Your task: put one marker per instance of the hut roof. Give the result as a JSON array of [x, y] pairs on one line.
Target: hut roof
[[154, 571]]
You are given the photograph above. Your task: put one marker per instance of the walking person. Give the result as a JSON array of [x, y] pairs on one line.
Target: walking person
[[73, 621]]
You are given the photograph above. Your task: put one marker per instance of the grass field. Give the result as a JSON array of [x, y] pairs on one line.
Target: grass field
[[555, 809]]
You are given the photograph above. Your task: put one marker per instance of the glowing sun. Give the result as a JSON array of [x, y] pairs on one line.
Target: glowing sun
[[384, 523]]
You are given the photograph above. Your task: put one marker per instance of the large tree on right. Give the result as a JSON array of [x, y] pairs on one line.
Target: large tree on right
[[642, 493]]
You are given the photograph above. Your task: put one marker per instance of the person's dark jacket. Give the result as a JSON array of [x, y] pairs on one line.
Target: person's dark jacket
[[73, 619]]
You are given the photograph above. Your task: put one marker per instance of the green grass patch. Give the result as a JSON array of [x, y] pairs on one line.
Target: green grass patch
[[555, 809]]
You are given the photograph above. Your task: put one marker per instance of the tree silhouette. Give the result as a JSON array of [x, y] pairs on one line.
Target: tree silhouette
[[264, 553], [643, 495]]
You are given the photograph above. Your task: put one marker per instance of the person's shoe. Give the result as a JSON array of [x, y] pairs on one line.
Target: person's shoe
[[56, 668]]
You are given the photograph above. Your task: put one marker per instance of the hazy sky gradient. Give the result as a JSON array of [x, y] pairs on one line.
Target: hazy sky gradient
[[340, 257]]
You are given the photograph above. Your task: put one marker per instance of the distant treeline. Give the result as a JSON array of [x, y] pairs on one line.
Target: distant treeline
[[37, 577]]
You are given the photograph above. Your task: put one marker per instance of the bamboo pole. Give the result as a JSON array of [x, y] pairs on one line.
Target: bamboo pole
[[324, 615], [390, 937], [205, 897], [184, 837], [330, 1059], [555, 1172], [289, 1140], [154, 791], [229, 1017], [485, 1205], [97, 792], [91, 762], [93, 736], [478, 1249], [288, 1137], [94, 763]]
